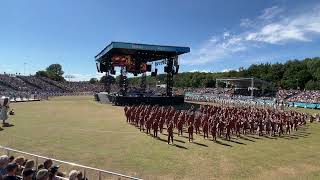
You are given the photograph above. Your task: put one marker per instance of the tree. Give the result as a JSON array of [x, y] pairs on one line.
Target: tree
[[93, 80], [312, 85], [55, 72], [103, 79], [42, 74], [289, 75]]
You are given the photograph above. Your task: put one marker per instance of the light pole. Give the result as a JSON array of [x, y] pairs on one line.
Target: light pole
[[24, 68]]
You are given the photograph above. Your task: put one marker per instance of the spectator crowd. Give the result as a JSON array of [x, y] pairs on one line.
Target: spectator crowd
[[202, 94], [24, 86], [20, 168]]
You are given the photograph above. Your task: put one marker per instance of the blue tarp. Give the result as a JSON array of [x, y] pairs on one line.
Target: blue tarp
[[305, 105]]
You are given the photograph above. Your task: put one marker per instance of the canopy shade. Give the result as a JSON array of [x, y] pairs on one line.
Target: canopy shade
[[141, 52]]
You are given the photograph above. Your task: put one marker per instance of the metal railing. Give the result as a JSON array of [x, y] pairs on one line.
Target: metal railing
[[99, 171]]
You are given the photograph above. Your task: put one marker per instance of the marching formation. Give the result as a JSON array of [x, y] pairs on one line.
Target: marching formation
[[218, 121]]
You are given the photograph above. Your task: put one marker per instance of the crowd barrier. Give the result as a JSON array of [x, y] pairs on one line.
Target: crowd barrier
[[99, 172]]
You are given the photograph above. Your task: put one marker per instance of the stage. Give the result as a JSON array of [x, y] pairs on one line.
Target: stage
[[132, 100], [138, 59]]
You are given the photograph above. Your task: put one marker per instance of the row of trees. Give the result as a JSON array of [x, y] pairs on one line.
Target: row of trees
[[293, 74]]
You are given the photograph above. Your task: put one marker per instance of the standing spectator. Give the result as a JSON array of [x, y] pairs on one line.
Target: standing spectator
[[73, 175], [20, 162], [80, 176], [28, 174], [4, 110], [4, 160], [11, 158], [43, 174], [11, 172], [47, 164], [29, 164], [53, 171]]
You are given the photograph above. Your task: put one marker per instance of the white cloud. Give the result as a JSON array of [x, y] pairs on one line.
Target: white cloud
[[270, 13], [271, 27], [215, 50], [226, 35], [202, 71], [246, 23], [83, 77], [228, 69], [298, 28]]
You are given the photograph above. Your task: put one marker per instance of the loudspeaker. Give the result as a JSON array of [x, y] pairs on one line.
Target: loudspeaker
[[177, 69], [175, 61], [148, 67], [166, 69], [112, 71], [103, 68], [98, 67], [154, 74]]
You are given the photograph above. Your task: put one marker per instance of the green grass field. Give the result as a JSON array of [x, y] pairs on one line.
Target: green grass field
[[81, 130]]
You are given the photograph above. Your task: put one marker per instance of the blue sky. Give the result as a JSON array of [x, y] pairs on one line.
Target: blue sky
[[222, 35]]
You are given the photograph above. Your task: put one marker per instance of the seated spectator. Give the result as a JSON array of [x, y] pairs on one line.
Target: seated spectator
[[4, 160], [28, 174], [42, 174], [11, 172]]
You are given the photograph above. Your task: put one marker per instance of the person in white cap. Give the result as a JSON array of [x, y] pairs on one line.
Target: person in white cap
[[73, 175], [42, 174]]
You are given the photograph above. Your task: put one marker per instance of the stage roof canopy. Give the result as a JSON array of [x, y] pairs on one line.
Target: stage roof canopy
[[142, 52], [245, 82]]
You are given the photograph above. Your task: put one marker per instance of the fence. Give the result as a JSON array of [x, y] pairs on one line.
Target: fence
[[100, 172]]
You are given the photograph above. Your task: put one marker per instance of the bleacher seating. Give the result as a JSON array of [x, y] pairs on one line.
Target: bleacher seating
[[22, 87]]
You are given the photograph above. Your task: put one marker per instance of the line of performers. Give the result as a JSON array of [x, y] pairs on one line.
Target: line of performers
[[219, 121]]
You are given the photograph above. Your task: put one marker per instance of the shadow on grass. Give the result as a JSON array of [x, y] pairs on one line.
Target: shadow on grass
[[237, 142], [179, 146], [160, 139], [7, 125], [200, 144], [247, 139], [269, 137], [180, 141], [184, 137], [221, 143], [253, 137]]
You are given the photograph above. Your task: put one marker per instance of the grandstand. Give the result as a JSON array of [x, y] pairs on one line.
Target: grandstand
[[17, 86]]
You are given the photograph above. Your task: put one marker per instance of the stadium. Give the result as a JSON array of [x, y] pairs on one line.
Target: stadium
[[149, 115]]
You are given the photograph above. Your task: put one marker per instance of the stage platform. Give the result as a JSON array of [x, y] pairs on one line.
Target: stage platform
[[130, 100]]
